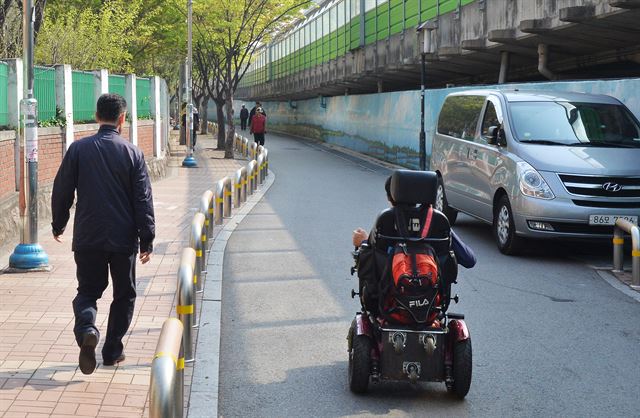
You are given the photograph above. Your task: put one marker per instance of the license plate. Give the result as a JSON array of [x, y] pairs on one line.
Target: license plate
[[610, 219]]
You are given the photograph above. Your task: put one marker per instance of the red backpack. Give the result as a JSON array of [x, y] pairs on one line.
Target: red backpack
[[412, 292], [258, 123]]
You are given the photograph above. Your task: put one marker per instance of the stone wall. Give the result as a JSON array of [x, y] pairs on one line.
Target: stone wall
[[387, 125]]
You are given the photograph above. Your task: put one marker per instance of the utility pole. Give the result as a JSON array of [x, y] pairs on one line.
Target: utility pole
[[189, 160], [29, 255], [423, 136]]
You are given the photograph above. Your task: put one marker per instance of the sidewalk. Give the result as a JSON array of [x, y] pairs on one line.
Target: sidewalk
[[39, 375]]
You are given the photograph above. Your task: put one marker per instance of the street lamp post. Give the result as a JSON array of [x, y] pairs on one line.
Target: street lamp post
[[29, 255], [426, 29], [189, 160], [423, 136]]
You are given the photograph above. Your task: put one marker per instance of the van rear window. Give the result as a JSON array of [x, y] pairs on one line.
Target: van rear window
[[459, 116]]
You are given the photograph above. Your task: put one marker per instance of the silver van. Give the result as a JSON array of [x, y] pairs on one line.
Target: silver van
[[538, 164]]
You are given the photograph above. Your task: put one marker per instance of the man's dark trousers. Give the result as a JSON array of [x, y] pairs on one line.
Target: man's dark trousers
[[243, 123], [92, 272]]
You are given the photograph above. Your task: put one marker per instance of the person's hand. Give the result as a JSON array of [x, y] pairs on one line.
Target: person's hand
[[145, 257], [58, 238], [359, 236]]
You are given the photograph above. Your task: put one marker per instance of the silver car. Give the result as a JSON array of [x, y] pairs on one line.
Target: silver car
[[538, 164]]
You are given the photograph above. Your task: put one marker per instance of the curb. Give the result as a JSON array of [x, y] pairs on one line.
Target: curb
[[610, 278], [204, 385]]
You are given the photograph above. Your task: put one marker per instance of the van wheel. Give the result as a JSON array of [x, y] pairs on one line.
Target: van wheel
[[504, 229], [442, 205]]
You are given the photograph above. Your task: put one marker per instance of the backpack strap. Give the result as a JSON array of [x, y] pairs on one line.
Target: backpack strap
[[427, 223]]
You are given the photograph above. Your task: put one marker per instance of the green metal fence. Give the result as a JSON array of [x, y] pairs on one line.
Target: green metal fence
[[335, 28], [143, 97], [4, 84], [44, 90], [117, 84], [84, 97]]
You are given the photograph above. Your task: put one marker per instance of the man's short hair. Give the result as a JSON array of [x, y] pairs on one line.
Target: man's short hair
[[110, 106]]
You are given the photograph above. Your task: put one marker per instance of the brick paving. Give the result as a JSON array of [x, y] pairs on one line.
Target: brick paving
[[39, 375]]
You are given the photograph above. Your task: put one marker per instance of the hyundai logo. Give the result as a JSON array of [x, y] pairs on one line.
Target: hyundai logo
[[612, 187]]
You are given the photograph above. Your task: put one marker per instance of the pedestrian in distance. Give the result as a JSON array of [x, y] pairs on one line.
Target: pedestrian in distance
[[253, 111], [244, 115], [196, 126], [183, 118], [114, 215], [195, 123], [258, 126]]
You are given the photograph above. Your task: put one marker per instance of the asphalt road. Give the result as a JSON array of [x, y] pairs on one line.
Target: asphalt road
[[550, 337]]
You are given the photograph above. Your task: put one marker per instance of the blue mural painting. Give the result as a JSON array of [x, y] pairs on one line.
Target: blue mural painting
[[387, 125]]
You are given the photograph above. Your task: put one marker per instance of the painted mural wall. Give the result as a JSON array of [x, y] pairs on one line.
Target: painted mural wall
[[387, 125]]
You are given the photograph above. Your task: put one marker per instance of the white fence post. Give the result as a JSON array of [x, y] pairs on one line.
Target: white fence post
[[132, 105], [157, 116], [64, 100]]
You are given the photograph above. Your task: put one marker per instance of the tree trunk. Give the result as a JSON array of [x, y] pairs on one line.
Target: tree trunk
[[204, 108], [221, 127], [228, 146]]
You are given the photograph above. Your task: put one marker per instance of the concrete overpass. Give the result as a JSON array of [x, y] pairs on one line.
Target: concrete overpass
[[486, 41]]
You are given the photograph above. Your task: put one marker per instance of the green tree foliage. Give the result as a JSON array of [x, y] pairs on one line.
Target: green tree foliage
[[89, 39], [229, 32], [141, 36], [11, 26]]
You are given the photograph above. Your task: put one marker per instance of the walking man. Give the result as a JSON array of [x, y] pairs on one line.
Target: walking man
[[114, 212], [244, 115]]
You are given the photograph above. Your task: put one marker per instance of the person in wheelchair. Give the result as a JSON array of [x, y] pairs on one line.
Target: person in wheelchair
[[464, 254], [375, 250]]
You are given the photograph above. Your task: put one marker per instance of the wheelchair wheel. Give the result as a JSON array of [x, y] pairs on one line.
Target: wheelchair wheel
[[359, 363], [462, 362]]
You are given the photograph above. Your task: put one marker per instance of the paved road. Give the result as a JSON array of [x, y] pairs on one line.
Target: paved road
[[550, 338]]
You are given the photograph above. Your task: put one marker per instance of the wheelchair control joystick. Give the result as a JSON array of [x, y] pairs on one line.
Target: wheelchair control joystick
[[354, 293], [455, 298]]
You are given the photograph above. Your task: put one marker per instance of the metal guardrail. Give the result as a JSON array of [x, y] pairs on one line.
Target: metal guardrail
[[206, 208], [166, 391], [186, 307], [251, 177], [260, 168], [198, 241], [175, 345], [240, 187], [227, 201], [619, 230], [219, 202], [265, 152]]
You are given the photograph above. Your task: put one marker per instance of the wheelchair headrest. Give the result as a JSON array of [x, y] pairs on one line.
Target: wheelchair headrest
[[414, 187]]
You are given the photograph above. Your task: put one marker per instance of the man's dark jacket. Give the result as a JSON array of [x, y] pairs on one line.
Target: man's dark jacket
[[114, 206], [244, 113], [253, 112]]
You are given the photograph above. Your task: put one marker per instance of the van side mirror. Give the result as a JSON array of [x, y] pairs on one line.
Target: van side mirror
[[495, 136], [492, 135]]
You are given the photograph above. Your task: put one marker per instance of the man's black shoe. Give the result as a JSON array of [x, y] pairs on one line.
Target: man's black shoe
[[119, 359], [87, 359]]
